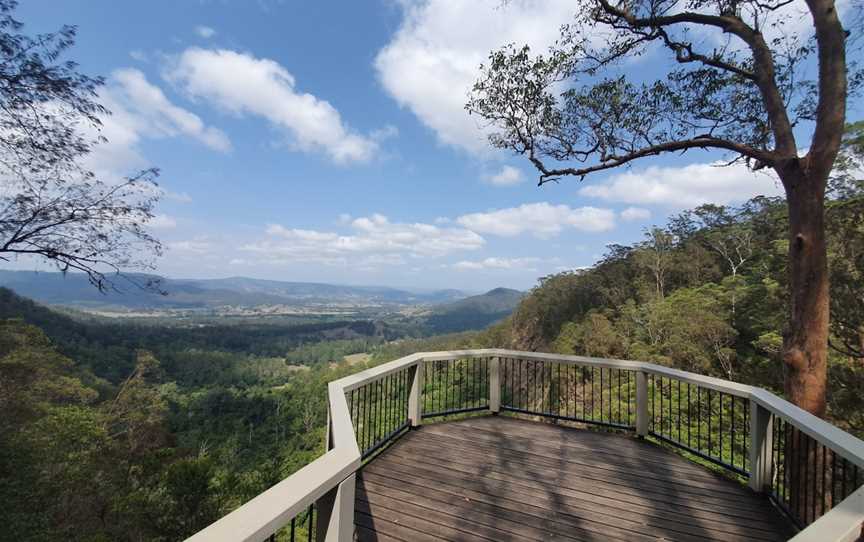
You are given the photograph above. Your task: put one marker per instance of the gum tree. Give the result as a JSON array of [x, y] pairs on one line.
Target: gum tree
[[51, 207], [737, 81]]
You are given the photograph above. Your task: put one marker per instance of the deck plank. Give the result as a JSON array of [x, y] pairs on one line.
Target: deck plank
[[499, 478]]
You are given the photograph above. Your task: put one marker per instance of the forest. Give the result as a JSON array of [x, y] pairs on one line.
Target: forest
[[125, 432], [136, 431]]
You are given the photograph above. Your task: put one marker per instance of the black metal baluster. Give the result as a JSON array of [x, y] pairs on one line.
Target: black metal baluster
[[796, 464], [310, 525], [584, 397], [720, 455], [710, 415], [823, 493], [732, 432], [678, 416], [523, 388], [601, 393], [293, 520], [698, 418], [388, 411], [364, 443], [805, 482], [379, 395], [558, 391]]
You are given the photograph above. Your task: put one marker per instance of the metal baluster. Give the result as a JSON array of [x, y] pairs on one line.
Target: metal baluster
[[678, 401], [732, 427], [601, 394]]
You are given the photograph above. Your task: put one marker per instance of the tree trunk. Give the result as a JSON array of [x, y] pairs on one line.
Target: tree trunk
[[805, 341]]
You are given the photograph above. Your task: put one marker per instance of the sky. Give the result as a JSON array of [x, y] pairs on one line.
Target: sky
[[328, 142]]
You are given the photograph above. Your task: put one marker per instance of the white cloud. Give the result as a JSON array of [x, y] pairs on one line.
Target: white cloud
[[243, 84], [162, 222], [374, 240], [139, 55], [522, 264], [432, 61], [387, 132], [507, 176], [197, 247], [632, 214], [205, 31], [543, 220], [179, 197], [140, 110], [685, 186], [157, 116]]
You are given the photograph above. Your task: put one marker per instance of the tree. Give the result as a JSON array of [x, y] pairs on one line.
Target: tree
[[51, 207], [573, 112], [846, 230], [655, 254]]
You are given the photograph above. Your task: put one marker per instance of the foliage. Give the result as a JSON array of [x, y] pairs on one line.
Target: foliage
[[718, 305], [51, 206]]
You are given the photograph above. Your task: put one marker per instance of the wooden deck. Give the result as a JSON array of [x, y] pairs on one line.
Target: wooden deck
[[497, 478]]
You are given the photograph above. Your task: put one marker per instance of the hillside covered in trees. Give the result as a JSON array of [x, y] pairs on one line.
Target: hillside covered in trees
[[706, 292], [168, 428]]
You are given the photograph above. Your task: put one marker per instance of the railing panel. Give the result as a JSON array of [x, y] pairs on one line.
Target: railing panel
[[302, 528], [379, 409], [809, 478], [561, 390], [453, 386], [809, 468], [710, 424]]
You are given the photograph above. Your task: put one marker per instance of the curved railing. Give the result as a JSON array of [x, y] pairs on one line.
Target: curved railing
[[810, 469]]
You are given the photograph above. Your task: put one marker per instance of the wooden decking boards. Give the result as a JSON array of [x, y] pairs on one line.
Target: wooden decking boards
[[497, 478]]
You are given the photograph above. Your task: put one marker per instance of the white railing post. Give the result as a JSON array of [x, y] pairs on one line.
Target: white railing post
[[761, 447], [415, 397], [495, 384], [642, 414], [335, 513]]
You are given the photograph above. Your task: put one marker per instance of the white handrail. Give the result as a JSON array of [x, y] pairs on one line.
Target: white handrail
[[843, 523], [273, 509]]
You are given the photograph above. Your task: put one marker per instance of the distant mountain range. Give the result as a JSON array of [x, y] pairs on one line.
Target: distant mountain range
[[475, 312], [73, 290]]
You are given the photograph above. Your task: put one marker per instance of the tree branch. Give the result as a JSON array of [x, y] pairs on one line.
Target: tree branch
[[764, 71], [763, 158]]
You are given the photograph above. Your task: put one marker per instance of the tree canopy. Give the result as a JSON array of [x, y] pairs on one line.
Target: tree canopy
[[51, 207]]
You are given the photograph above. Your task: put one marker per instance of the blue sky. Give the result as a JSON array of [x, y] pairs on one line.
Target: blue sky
[[326, 141]]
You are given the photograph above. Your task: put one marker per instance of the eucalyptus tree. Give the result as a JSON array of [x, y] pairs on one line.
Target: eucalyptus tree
[[52, 208], [738, 80]]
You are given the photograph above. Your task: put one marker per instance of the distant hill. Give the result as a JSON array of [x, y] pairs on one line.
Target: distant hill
[[475, 312], [73, 290]]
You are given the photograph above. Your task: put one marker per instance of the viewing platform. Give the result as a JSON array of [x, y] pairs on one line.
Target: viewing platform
[[497, 445], [499, 478]]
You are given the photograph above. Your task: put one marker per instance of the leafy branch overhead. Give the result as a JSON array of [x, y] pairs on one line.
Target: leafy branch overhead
[[51, 206], [728, 87]]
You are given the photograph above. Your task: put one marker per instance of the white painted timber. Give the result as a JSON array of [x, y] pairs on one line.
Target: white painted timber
[[761, 447], [642, 414], [268, 512], [335, 519], [330, 478], [369, 375], [415, 395], [844, 444], [495, 384], [843, 523]]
